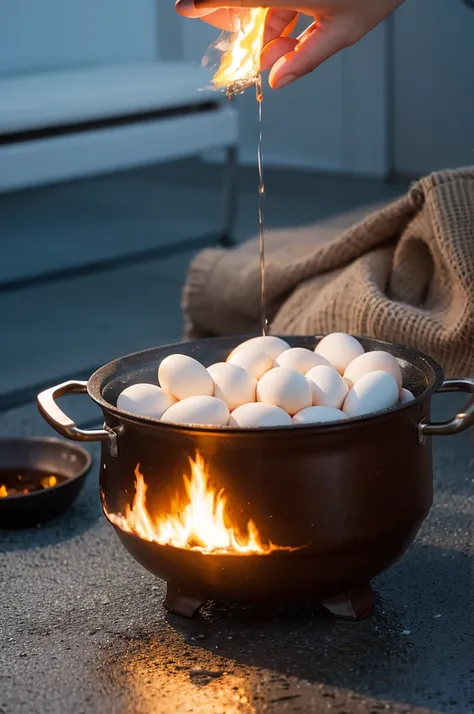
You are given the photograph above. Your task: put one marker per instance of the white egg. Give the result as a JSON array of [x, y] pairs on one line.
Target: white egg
[[373, 362], [233, 384], [406, 396], [339, 349], [329, 388], [145, 400], [272, 346], [300, 359], [315, 415], [371, 393], [199, 410], [259, 414], [253, 360], [285, 388], [183, 377]]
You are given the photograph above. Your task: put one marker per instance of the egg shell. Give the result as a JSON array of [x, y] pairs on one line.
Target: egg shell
[[233, 384], [317, 415], [286, 389], [258, 414], [272, 346], [199, 411], [373, 362], [146, 400], [406, 396], [300, 359], [253, 360], [329, 388], [184, 377], [371, 393], [339, 349]]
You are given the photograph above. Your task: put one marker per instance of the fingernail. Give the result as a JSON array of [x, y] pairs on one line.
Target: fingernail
[[201, 5], [283, 81], [189, 6]]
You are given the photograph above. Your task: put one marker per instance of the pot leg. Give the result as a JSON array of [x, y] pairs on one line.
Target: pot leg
[[353, 605], [182, 603]]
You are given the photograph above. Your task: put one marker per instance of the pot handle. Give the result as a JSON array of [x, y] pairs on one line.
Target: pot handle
[[56, 418], [460, 422]]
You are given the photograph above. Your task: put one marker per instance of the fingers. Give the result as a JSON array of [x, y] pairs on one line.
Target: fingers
[[187, 8], [272, 52], [195, 8], [315, 45], [279, 23], [225, 19]]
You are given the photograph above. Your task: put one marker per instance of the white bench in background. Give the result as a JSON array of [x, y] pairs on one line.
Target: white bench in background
[[64, 125]]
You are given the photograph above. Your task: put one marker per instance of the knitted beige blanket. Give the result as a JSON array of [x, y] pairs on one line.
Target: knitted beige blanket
[[405, 274]]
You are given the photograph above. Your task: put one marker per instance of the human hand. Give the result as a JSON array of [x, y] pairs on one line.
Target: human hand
[[336, 24]]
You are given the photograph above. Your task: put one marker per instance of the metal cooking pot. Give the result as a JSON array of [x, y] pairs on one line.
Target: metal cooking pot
[[349, 496]]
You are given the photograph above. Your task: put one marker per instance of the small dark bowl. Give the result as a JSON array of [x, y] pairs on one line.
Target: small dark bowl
[[69, 462]]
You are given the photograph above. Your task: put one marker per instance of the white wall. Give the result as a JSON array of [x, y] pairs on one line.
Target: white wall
[[434, 86], [334, 119], [169, 31], [38, 35]]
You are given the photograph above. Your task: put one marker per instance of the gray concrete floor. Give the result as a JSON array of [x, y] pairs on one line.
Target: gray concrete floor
[[56, 226]]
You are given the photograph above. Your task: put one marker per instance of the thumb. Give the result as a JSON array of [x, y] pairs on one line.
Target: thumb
[[315, 45]]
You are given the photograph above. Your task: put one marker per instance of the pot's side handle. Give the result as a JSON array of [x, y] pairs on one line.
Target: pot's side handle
[[63, 424], [460, 422]]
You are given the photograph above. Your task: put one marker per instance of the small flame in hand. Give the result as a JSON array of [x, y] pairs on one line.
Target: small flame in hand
[[198, 524], [240, 64]]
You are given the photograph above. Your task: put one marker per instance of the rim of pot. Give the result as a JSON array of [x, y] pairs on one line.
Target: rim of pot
[[98, 381]]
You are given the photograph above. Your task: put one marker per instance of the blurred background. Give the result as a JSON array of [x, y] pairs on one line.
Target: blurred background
[[115, 170]]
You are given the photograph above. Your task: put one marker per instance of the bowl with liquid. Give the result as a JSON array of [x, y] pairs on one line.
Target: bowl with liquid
[[40, 478]]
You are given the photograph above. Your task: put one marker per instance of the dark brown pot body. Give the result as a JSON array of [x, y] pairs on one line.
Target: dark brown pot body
[[350, 497]]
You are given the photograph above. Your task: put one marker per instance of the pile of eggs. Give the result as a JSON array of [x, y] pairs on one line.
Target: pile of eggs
[[266, 383]]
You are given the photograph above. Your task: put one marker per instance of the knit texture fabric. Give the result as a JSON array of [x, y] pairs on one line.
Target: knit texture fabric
[[404, 273]]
